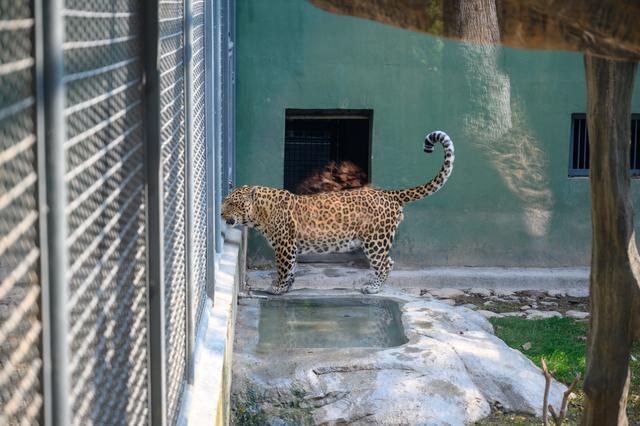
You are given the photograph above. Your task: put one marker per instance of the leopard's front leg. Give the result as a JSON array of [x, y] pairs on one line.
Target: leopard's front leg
[[285, 265]]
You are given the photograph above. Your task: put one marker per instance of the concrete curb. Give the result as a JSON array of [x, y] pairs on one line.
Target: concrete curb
[[323, 276], [209, 395]]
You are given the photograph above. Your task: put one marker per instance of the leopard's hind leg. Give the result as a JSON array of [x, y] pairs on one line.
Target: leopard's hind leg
[[377, 252], [376, 246]]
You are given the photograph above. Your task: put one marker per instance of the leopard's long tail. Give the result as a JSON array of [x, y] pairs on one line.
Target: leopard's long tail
[[413, 194]]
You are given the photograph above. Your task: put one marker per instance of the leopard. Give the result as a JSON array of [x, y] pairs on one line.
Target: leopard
[[330, 222]]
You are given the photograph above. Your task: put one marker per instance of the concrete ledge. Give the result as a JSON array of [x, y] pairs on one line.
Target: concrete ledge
[[209, 395], [324, 276]]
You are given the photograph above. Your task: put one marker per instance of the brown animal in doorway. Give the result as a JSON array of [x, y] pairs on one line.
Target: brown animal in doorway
[[334, 176]]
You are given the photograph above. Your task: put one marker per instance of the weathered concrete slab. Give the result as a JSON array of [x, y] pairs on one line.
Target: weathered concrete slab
[[327, 276]]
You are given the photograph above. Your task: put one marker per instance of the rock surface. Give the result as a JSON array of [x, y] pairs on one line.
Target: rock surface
[[450, 371], [514, 314], [578, 292], [470, 306], [536, 314], [577, 314], [446, 293], [489, 314], [502, 292], [481, 292], [556, 293]]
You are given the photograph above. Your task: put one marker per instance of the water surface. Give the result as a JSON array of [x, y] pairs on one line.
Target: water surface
[[329, 323]]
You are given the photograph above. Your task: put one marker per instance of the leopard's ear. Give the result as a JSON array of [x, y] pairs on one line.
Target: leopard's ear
[[252, 194]]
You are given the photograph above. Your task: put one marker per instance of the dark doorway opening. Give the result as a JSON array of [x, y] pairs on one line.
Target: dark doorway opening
[[313, 138]]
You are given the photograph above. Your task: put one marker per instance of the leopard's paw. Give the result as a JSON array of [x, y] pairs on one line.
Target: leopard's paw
[[370, 289], [277, 290]]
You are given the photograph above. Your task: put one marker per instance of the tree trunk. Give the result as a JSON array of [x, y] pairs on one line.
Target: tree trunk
[[615, 266]]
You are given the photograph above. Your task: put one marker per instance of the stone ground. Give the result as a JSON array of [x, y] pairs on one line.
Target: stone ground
[[452, 370], [530, 304], [472, 294]]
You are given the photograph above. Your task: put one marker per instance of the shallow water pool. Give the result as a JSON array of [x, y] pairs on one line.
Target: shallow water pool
[[329, 323]]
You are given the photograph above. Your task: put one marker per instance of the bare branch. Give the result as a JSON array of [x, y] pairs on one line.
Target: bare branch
[[565, 399], [556, 419], [547, 386]]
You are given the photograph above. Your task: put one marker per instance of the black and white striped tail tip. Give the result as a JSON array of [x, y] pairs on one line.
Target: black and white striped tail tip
[[433, 138]]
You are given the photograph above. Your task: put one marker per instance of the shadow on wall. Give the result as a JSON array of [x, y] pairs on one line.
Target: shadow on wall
[[495, 122]]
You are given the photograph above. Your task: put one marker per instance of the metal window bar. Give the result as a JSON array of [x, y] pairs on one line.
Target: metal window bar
[[635, 145], [579, 147]]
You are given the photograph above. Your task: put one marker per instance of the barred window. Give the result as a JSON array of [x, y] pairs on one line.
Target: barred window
[[579, 148]]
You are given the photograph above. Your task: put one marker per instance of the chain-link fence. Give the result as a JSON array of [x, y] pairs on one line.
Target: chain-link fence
[[21, 393], [111, 148]]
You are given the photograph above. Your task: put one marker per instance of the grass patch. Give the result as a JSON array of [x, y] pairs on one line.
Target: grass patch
[[561, 342]]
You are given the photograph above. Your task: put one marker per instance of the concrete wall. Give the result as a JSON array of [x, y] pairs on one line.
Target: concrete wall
[[509, 201]]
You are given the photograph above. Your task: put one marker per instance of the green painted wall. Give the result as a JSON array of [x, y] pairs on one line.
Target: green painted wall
[[509, 201]]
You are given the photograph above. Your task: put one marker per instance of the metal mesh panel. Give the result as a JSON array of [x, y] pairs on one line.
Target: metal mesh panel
[[200, 191], [105, 178], [173, 157], [20, 326]]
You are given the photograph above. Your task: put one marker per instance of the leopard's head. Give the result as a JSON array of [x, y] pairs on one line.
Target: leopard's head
[[237, 208]]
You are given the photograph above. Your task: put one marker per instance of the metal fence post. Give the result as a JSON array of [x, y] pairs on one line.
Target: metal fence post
[[188, 105], [224, 94], [210, 145], [45, 299], [231, 87], [57, 361], [155, 229], [217, 118]]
